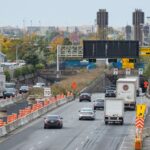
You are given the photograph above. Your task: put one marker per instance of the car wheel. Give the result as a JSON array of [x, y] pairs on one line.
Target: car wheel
[[45, 127], [106, 122]]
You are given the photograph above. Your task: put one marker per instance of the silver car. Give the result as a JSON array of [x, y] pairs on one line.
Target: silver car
[[87, 113]]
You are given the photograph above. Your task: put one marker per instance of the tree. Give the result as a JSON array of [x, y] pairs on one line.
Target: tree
[[67, 41], [31, 58]]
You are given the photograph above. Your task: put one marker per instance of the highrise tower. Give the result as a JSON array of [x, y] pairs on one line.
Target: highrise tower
[[102, 24]]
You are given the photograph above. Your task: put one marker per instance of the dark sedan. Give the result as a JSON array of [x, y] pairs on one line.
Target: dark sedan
[[85, 97], [110, 93], [53, 121], [10, 92], [98, 104]]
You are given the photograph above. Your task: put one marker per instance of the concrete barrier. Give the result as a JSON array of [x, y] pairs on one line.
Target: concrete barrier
[[11, 100], [32, 116]]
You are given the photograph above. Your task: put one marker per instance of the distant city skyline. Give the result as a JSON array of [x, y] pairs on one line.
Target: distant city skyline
[[68, 12]]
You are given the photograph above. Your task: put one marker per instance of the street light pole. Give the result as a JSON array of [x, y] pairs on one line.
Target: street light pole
[[58, 51], [16, 53]]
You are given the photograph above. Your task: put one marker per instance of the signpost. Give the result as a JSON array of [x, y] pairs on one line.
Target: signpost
[[140, 110], [115, 71], [140, 70], [47, 92], [128, 71], [74, 85]]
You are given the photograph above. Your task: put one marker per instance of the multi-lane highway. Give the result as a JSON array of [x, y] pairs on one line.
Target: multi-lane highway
[[76, 134]]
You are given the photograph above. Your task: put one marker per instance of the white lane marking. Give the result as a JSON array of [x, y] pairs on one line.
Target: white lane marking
[[76, 148]]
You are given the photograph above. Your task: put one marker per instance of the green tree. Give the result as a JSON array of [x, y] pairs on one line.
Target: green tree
[[31, 58], [7, 74], [67, 41]]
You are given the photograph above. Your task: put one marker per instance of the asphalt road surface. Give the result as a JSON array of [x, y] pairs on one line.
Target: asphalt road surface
[[76, 134]]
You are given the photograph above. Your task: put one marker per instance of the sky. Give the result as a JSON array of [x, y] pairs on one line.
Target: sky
[[68, 12]]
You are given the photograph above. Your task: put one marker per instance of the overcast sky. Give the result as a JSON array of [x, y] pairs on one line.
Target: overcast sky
[[68, 12]]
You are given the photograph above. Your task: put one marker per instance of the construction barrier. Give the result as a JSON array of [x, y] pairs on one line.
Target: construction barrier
[[30, 113]]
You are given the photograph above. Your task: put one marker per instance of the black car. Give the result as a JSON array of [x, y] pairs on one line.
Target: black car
[[110, 93], [10, 92], [24, 89], [85, 97], [52, 121], [98, 104]]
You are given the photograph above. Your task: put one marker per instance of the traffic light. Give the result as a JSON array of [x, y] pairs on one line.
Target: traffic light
[[92, 60], [145, 84]]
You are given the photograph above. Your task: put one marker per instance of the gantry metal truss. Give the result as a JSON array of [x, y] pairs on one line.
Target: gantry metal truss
[[73, 51]]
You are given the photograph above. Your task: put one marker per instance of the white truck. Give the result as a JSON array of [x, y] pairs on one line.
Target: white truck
[[114, 111], [137, 84], [126, 89], [2, 84]]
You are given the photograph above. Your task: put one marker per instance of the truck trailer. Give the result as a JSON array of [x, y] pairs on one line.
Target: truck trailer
[[114, 111], [126, 89]]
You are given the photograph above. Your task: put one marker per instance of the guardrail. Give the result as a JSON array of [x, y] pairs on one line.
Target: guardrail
[[28, 114]]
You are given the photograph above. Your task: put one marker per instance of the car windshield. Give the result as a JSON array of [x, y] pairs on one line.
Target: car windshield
[[10, 90], [99, 100], [84, 94], [52, 117], [87, 110], [24, 87]]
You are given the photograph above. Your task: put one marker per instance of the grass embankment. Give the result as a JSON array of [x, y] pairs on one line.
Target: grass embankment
[[83, 79]]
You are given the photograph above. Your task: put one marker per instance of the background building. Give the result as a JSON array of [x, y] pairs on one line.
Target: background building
[[128, 32], [138, 21], [102, 24]]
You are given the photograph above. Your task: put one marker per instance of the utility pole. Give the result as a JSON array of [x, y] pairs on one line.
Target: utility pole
[[58, 71]]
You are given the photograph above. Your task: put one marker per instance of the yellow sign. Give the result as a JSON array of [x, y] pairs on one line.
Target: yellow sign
[[127, 65], [145, 51], [140, 110], [125, 60]]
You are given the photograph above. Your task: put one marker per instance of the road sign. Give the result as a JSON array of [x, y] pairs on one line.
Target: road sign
[[1, 69], [139, 123], [128, 71], [115, 71], [128, 65], [145, 51], [140, 110], [145, 84], [47, 92], [74, 85], [140, 71]]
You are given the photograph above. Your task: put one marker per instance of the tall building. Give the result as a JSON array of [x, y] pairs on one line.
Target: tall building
[[138, 21], [102, 24], [128, 32]]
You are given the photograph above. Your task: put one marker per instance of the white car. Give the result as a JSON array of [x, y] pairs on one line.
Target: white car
[[39, 85], [87, 113]]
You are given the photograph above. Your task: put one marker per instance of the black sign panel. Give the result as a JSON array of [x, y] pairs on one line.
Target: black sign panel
[[110, 49]]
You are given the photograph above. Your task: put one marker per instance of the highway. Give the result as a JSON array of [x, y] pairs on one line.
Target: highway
[[76, 134]]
